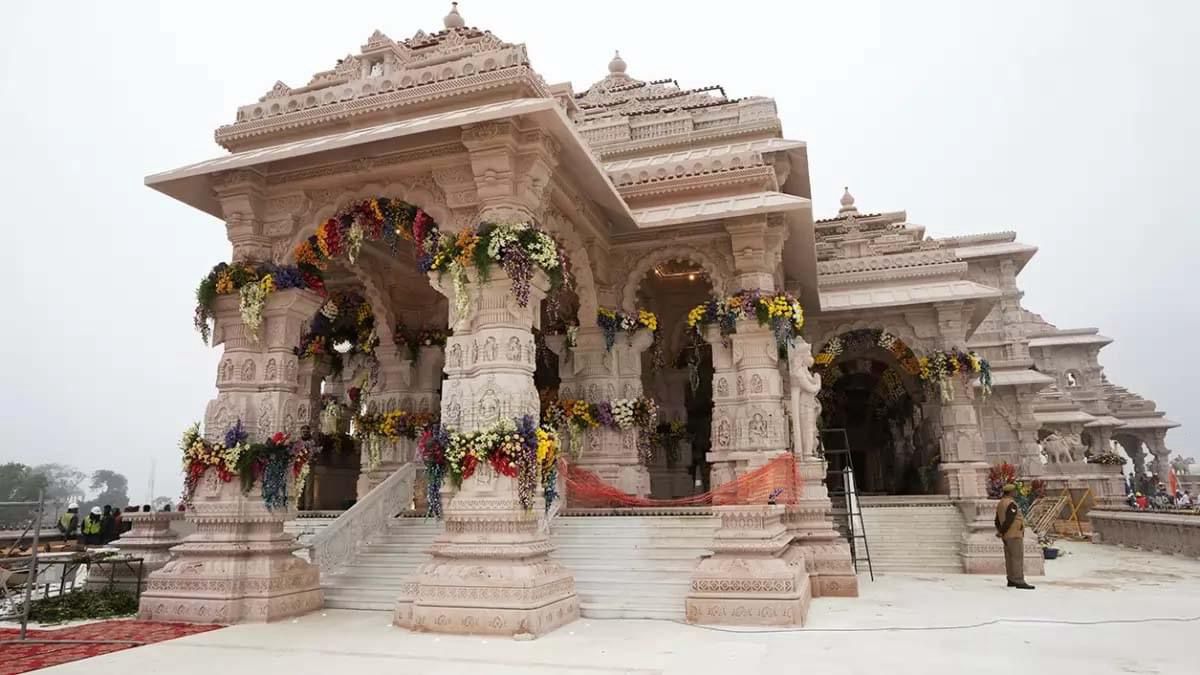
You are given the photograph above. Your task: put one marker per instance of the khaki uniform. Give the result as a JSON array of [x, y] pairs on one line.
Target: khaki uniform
[[1010, 527]]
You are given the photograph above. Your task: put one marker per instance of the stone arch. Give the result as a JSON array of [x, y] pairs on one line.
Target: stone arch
[[903, 331], [381, 306], [896, 359], [718, 276], [581, 265]]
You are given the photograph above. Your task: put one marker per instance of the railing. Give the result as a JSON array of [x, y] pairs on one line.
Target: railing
[[335, 545]]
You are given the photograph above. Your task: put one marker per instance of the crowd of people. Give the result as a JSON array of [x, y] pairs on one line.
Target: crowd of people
[[101, 526], [1161, 499]]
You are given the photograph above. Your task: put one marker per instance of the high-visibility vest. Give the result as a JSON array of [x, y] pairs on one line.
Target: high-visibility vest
[[65, 521], [91, 525]]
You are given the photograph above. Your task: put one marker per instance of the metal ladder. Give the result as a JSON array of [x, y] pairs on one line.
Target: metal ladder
[[847, 493]]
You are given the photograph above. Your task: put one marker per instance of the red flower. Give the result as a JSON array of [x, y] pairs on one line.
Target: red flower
[[279, 438], [469, 463], [420, 229], [353, 393]]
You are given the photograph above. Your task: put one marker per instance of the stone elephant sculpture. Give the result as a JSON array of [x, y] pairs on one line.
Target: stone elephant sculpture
[[1057, 449]]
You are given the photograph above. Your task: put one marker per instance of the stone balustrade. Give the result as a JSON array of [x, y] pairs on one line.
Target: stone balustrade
[[1167, 532]]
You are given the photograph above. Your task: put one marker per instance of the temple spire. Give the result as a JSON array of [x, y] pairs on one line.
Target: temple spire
[[453, 19], [848, 208]]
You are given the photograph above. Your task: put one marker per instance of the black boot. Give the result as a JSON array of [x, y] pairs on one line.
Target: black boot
[[1012, 584], [1023, 586]]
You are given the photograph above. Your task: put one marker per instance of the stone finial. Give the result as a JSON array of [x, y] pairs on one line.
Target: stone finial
[[848, 208], [453, 19], [617, 65]]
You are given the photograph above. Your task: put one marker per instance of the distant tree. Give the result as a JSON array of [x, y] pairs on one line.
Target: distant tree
[[113, 487], [160, 502], [63, 483], [20, 483], [1182, 465]]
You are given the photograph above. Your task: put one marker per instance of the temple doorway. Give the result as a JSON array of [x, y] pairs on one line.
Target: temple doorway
[[872, 415], [677, 373]]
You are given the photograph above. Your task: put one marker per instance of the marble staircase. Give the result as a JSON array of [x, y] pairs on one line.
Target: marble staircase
[[632, 567], [912, 535], [624, 566]]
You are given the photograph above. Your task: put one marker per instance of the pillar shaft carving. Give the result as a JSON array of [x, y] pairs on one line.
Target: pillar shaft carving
[[749, 424], [593, 372], [258, 375], [1027, 427], [491, 572]]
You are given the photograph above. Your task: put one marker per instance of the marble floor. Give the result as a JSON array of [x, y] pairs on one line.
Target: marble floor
[[1099, 609]]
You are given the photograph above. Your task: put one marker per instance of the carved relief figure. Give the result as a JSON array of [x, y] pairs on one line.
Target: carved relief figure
[[741, 385], [248, 370], [456, 356], [722, 387], [758, 428], [805, 408], [723, 433], [756, 384], [271, 371], [514, 348], [490, 349]]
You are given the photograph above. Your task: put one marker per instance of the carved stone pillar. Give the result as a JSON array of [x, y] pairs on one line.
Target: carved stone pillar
[[237, 567], [749, 424], [747, 580], [404, 383], [1027, 427], [257, 378], [1133, 448], [491, 572], [815, 545], [593, 372], [1161, 454], [150, 539]]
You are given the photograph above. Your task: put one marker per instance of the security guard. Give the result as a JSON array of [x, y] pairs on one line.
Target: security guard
[[1010, 528]]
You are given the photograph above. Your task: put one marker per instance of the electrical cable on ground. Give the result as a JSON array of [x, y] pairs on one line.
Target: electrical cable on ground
[[966, 626]]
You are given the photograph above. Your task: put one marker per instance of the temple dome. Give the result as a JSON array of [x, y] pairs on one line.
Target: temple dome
[[617, 65], [453, 19], [848, 208]]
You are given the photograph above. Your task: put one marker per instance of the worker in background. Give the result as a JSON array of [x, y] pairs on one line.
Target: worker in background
[[90, 528], [1010, 528], [68, 523]]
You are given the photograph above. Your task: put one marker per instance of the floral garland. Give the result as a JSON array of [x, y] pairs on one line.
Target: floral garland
[[234, 457], [372, 429], [346, 317], [377, 219], [515, 448], [866, 338], [577, 416], [780, 311], [1106, 458], [939, 367], [413, 339], [253, 282], [517, 248], [611, 321]]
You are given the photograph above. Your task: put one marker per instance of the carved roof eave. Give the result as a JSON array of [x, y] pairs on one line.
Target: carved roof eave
[[1020, 253], [1062, 417], [950, 271], [1104, 421], [1146, 423], [1067, 339], [760, 178], [621, 148], [883, 217], [981, 297], [231, 135], [720, 208], [193, 184]]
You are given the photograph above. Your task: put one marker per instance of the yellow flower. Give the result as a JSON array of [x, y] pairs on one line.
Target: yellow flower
[[375, 209], [695, 315], [224, 283], [268, 284], [647, 319]]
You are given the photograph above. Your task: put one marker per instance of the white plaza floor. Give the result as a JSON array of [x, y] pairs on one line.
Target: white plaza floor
[[1099, 609]]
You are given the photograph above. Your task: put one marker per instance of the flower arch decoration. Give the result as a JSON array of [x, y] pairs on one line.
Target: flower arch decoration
[[862, 339], [935, 369]]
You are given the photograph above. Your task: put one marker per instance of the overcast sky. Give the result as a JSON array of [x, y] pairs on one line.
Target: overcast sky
[[1073, 123]]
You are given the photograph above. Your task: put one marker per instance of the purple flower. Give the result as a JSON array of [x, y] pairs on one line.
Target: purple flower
[[235, 434], [604, 414]]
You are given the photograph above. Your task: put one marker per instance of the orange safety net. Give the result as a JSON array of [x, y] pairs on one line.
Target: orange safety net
[[776, 482]]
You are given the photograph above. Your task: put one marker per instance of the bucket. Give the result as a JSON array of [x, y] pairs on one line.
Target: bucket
[[1049, 553]]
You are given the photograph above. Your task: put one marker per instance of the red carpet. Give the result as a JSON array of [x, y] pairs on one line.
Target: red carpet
[[16, 657]]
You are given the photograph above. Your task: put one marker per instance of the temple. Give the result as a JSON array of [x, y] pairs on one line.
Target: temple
[[701, 418]]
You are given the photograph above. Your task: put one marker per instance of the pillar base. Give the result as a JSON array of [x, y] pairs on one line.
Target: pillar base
[[150, 539], [747, 581], [815, 543], [490, 573], [237, 567]]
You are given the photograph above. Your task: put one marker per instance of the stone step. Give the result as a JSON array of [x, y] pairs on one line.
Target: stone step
[[609, 610]]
